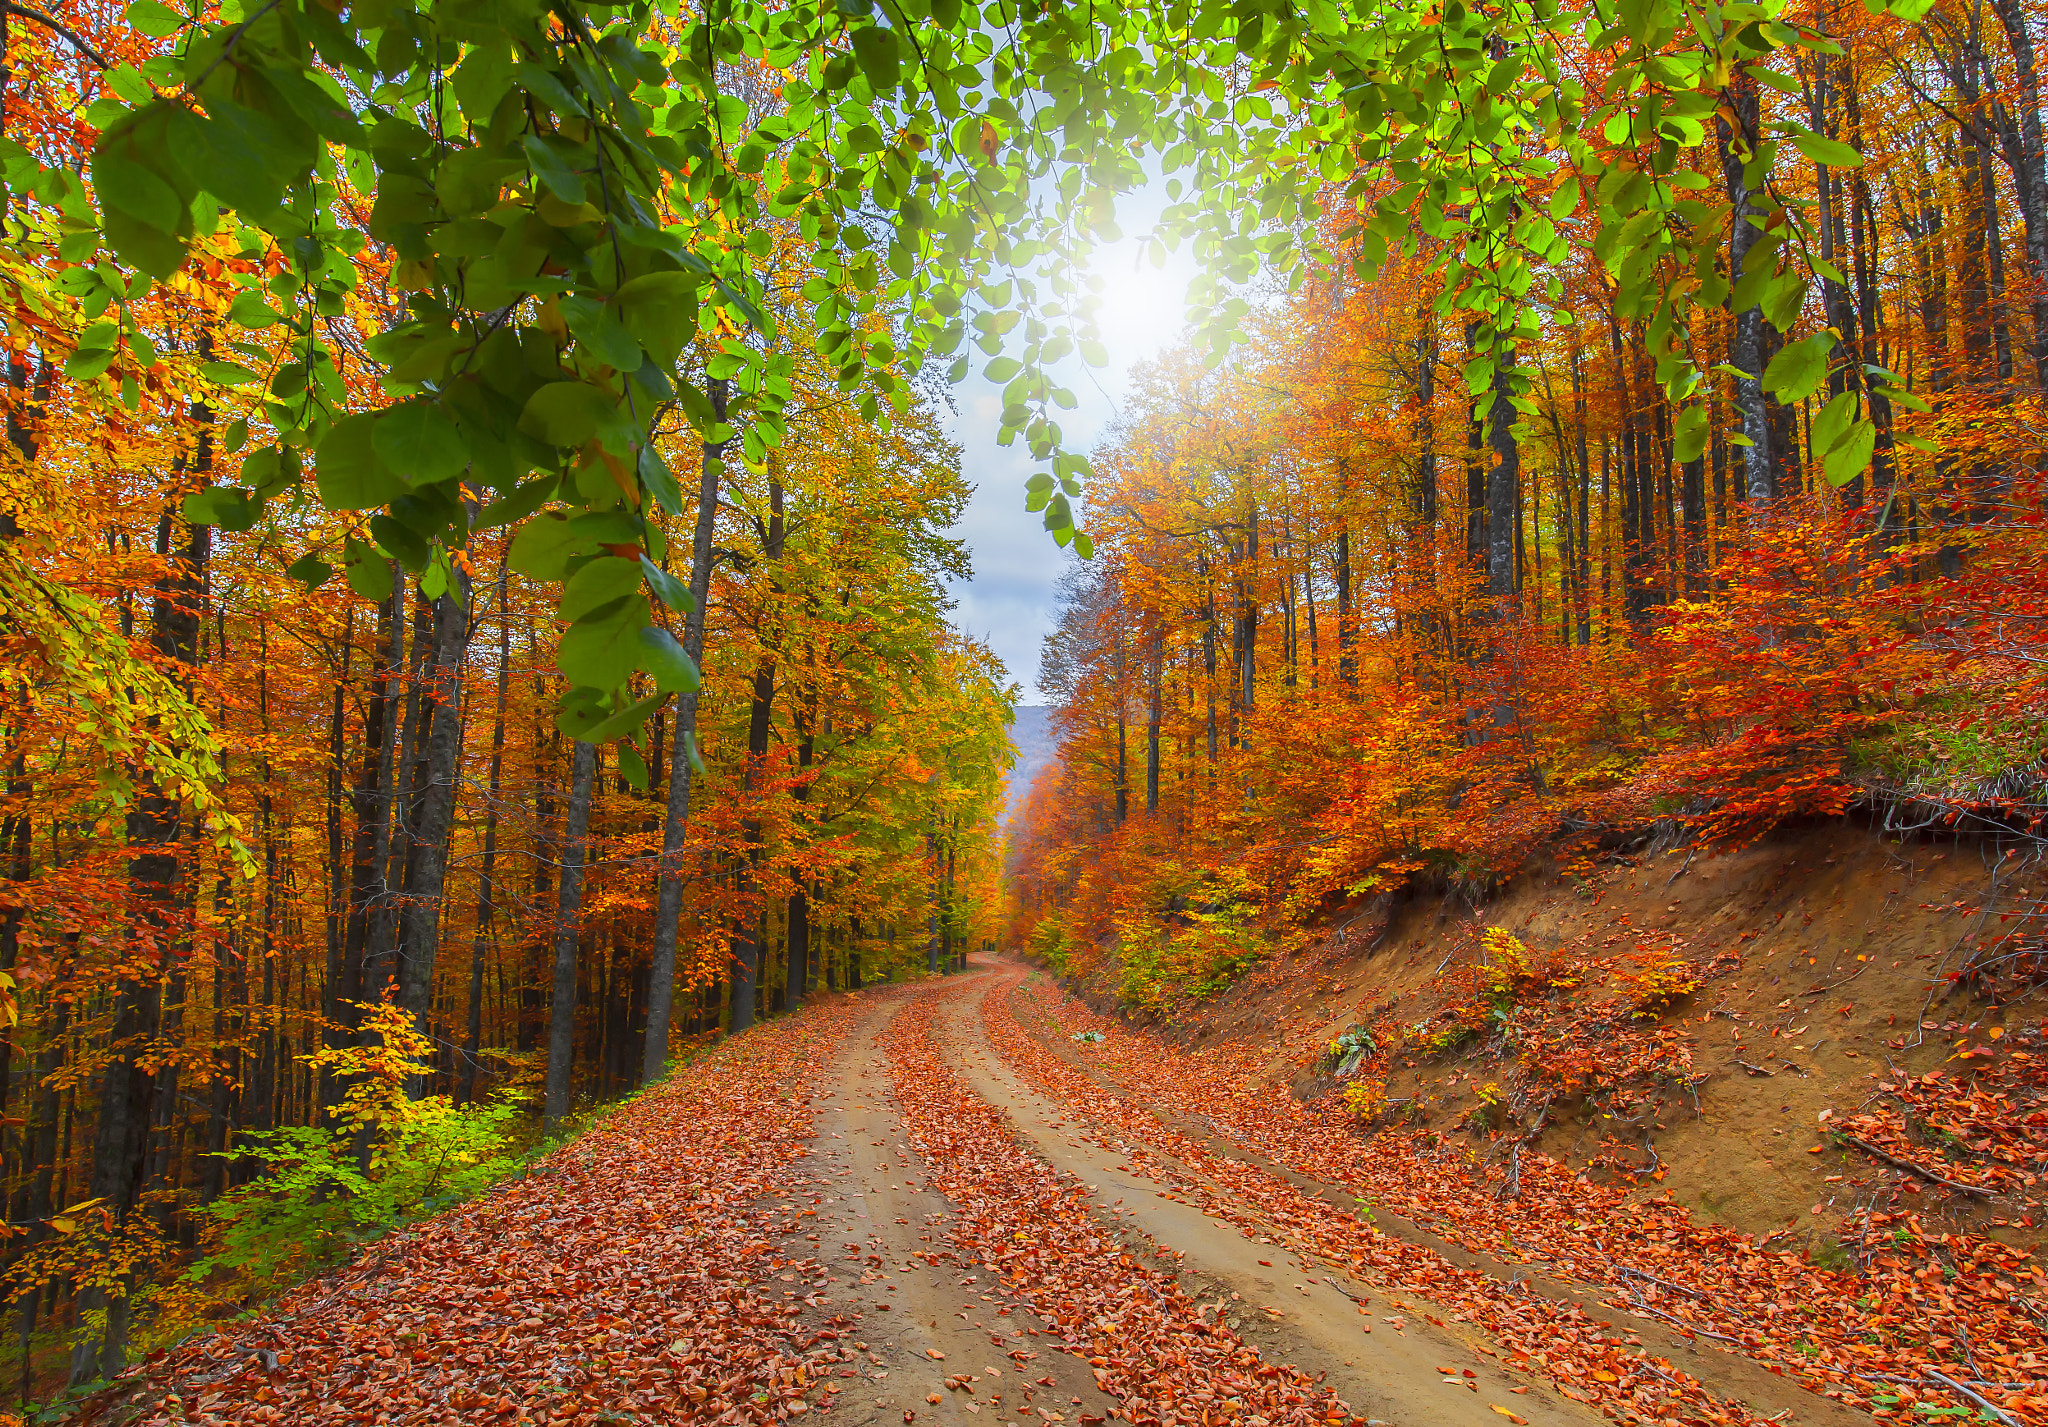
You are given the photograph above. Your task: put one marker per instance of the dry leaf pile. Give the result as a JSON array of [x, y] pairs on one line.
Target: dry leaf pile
[[1969, 1309], [643, 1272], [1985, 1126], [1160, 1354]]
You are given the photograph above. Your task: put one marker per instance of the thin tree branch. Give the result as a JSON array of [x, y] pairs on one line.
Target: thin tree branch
[[48, 22]]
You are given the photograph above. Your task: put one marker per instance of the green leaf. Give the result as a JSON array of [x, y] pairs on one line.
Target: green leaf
[[601, 582], [624, 723], [874, 48], [516, 504], [667, 588], [1831, 423], [544, 546], [469, 180], [1689, 434], [250, 310], [143, 247], [599, 332], [552, 165], [1850, 457], [660, 310], [227, 507], [310, 571], [244, 158], [1823, 150], [153, 19], [420, 441], [580, 711], [87, 363], [659, 481], [567, 413], [603, 653], [368, 573], [632, 767], [481, 80], [1002, 369], [122, 184], [667, 662], [1798, 371], [349, 472], [228, 373], [405, 544]]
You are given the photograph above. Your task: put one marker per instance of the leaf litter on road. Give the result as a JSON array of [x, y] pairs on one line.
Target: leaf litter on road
[[1900, 1337]]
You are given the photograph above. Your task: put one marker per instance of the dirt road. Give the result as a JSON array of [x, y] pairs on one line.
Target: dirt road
[[924, 1205]]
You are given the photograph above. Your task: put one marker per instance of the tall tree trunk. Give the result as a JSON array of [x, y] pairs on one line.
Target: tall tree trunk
[[798, 976], [1123, 751], [1347, 661], [2021, 146], [420, 918], [1152, 714], [408, 784], [486, 882], [128, 1085], [745, 956], [346, 975], [1747, 351], [1503, 484], [1863, 243], [568, 930], [1209, 652], [746, 942], [675, 831]]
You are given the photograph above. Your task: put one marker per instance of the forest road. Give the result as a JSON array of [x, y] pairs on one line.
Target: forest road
[[925, 1316], [913, 1205], [1392, 1356]]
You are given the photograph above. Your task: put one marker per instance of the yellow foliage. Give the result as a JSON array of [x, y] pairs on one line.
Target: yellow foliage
[[394, 1051], [1365, 1097], [1656, 979]]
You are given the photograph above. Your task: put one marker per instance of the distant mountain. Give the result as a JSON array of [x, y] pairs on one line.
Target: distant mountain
[[1033, 736]]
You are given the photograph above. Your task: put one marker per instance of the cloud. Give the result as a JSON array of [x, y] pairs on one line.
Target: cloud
[[1009, 602]]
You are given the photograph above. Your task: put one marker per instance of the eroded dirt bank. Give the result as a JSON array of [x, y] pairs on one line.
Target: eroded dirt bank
[[1828, 1000]]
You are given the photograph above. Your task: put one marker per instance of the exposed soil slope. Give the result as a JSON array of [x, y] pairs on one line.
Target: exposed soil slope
[[1824, 965]]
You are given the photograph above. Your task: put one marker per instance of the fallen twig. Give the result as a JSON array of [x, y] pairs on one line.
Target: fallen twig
[[1911, 1168], [1681, 1323], [1980, 1400], [1754, 1069]]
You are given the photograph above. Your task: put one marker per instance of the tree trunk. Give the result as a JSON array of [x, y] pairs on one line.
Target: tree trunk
[[486, 881], [1152, 713], [1123, 750], [1503, 484], [661, 980], [1746, 353], [568, 928], [798, 975], [746, 944], [372, 809], [2021, 146], [128, 1085], [420, 914], [408, 780]]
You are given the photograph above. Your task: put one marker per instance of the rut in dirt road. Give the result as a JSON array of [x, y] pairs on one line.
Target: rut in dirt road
[[918, 1205]]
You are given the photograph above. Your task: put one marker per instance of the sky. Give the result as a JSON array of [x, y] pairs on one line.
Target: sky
[[1009, 602]]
